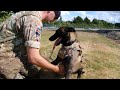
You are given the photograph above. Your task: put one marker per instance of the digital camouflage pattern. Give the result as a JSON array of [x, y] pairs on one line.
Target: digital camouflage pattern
[[20, 30]]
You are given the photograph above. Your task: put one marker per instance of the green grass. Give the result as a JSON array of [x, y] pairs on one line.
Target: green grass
[[100, 63], [102, 58]]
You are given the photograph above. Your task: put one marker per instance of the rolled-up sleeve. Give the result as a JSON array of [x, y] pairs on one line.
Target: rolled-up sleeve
[[32, 31]]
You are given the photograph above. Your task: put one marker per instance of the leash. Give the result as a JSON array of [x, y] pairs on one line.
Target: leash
[[54, 47], [52, 52]]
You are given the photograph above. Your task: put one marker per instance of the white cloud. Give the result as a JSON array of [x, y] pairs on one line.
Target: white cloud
[[109, 16], [66, 15], [63, 13], [81, 12]]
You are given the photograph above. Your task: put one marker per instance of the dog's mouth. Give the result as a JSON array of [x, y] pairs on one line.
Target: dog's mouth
[[58, 41]]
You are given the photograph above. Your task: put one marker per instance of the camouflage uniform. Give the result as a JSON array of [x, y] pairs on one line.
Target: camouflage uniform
[[21, 29]]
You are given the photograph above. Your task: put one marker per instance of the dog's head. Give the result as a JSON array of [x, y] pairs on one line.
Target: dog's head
[[64, 35]]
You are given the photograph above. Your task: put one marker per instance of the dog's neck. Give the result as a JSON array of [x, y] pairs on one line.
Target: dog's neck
[[68, 43]]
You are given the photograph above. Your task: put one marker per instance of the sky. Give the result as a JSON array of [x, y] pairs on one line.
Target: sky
[[109, 16]]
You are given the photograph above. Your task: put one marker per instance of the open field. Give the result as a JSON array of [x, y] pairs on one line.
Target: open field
[[102, 58]]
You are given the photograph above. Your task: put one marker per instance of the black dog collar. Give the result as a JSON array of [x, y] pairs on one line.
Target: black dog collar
[[69, 43]]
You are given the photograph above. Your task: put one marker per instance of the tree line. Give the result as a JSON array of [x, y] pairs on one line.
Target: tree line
[[79, 22]]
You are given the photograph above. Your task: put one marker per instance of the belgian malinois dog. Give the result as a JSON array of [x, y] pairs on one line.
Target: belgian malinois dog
[[70, 54]]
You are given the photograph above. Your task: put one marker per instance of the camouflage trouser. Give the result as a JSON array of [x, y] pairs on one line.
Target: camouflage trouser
[[14, 64], [13, 68], [10, 68]]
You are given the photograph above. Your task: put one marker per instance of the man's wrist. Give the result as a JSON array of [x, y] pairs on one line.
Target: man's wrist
[[56, 69]]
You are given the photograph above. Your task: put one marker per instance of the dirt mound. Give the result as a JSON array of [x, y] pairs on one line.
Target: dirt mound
[[114, 35]]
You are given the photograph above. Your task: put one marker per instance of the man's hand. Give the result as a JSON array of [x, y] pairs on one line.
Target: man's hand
[[61, 70]]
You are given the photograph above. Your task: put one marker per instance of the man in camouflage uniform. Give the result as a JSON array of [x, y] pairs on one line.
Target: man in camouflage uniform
[[20, 43]]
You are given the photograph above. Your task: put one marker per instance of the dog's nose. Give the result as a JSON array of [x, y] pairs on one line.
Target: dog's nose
[[51, 39]]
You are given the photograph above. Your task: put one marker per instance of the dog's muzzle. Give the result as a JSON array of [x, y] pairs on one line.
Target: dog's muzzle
[[53, 37]]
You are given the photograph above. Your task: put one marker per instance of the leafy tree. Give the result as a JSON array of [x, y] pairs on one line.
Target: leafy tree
[[87, 21], [4, 15], [78, 19], [95, 21], [60, 20], [117, 25]]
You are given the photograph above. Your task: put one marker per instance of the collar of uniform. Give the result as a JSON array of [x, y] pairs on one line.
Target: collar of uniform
[[36, 13], [39, 15]]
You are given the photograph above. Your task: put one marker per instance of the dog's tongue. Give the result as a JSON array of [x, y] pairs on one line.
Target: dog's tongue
[[58, 41]]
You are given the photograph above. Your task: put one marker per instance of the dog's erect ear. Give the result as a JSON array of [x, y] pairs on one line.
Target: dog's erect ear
[[73, 36], [69, 29]]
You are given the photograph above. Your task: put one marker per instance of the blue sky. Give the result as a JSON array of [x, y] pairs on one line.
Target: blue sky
[[109, 16]]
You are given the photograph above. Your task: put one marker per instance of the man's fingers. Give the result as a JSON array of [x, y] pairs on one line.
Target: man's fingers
[[61, 69]]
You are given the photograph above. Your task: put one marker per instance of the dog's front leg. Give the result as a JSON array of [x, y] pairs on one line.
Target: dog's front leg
[[80, 72], [56, 61], [67, 66], [68, 75]]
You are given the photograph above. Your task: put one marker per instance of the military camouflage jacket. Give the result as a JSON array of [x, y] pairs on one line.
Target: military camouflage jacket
[[21, 29]]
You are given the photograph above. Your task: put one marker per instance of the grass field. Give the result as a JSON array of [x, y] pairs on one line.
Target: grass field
[[102, 58]]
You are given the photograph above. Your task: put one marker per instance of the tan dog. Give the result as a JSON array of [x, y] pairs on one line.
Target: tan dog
[[70, 54]]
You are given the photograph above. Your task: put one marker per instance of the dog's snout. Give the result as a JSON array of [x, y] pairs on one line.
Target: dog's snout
[[53, 37]]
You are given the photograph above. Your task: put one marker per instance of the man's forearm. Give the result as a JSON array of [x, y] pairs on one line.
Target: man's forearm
[[35, 58], [43, 63]]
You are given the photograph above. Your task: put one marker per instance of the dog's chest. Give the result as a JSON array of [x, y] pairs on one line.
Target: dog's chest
[[63, 52], [69, 50]]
